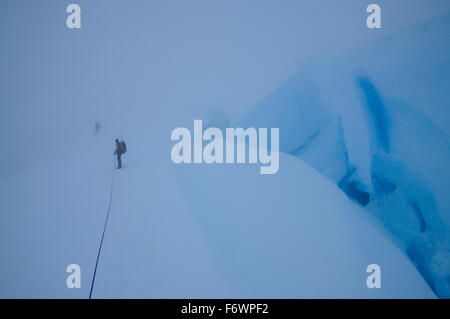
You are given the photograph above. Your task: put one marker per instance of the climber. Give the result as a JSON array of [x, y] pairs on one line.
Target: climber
[[121, 148]]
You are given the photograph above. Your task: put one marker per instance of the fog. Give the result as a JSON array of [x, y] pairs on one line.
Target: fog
[[147, 63]]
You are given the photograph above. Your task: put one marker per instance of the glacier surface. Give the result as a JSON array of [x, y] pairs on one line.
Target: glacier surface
[[375, 122]]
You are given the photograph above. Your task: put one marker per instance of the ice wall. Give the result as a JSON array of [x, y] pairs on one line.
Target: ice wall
[[372, 122]]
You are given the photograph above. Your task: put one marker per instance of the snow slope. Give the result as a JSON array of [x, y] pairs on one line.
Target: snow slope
[[189, 231], [292, 235], [374, 122]]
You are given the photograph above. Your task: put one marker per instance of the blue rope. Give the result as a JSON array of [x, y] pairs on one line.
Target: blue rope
[[103, 235]]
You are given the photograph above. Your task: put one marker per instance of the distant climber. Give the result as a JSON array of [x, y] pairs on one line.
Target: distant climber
[[97, 128], [121, 148]]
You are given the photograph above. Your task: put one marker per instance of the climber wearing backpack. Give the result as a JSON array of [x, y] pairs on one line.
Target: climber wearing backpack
[[97, 128], [121, 148]]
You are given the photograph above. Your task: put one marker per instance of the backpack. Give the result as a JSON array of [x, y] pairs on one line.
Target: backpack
[[123, 147]]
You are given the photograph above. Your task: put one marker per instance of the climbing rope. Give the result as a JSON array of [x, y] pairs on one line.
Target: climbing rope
[[104, 229]]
